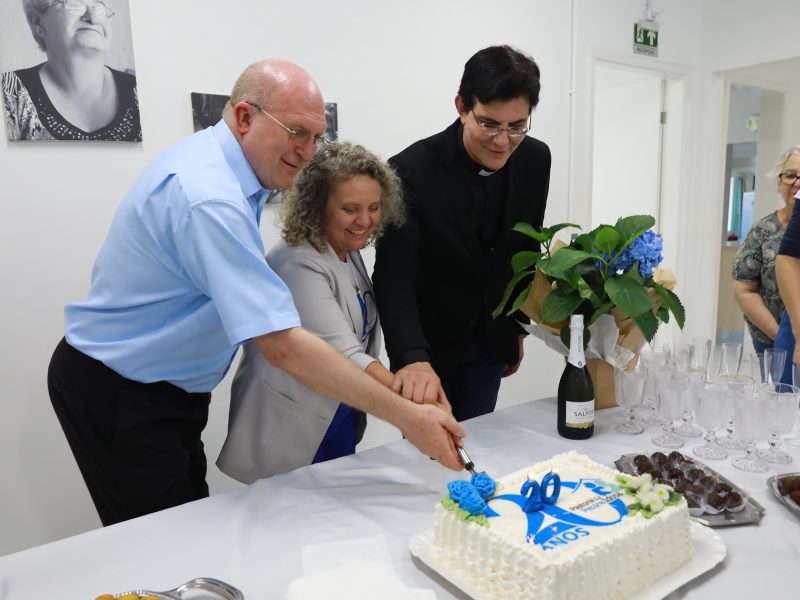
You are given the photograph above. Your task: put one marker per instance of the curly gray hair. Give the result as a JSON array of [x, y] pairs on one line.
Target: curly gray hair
[[33, 9], [775, 172], [303, 207]]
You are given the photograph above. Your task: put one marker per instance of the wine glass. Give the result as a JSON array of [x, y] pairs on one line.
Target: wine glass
[[736, 385], [671, 388], [710, 415], [751, 421], [730, 358], [756, 367], [652, 361], [693, 375], [629, 388], [781, 418], [774, 362], [795, 441]]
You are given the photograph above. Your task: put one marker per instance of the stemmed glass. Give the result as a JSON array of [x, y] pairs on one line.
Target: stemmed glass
[[629, 388], [730, 358], [693, 361], [782, 415], [652, 361], [710, 415], [671, 392], [736, 385], [767, 366], [795, 441], [751, 420]]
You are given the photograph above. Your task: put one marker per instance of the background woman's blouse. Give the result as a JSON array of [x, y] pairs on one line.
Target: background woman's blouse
[[755, 262]]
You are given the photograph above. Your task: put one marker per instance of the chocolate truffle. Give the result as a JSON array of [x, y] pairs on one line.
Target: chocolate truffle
[[659, 459], [708, 482], [716, 501], [788, 484], [723, 489], [734, 501], [676, 458], [694, 474], [795, 495]]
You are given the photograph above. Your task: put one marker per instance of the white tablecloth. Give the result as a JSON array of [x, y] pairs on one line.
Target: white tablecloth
[[253, 537]]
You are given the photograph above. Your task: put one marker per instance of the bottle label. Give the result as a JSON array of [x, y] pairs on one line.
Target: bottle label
[[576, 357], [579, 415]]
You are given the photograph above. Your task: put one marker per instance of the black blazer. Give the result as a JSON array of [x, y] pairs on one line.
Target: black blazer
[[435, 286]]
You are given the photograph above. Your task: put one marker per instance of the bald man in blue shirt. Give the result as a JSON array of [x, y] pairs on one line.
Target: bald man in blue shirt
[[179, 284]]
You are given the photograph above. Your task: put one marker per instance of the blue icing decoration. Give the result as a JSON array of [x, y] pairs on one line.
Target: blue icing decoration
[[458, 488], [472, 502], [484, 484]]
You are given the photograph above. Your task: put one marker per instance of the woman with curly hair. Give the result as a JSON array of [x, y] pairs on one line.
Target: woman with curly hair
[[340, 202]]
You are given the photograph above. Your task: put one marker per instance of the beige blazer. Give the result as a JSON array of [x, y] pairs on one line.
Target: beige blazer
[[276, 423]]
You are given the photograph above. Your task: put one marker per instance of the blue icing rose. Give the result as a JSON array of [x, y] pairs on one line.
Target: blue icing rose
[[472, 502], [484, 484], [458, 488]]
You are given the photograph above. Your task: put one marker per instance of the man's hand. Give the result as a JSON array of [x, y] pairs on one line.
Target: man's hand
[[511, 369], [419, 383], [435, 433]]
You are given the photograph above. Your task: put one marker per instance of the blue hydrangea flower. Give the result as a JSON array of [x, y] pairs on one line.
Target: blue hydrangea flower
[[484, 484], [472, 502], [646, 249]]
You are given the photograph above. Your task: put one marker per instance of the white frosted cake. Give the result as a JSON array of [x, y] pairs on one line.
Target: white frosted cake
[[602, 538]]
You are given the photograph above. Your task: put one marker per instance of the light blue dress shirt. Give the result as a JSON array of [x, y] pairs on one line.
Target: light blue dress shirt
[[181, 280]]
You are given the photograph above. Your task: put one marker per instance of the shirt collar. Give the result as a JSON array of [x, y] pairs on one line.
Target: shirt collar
[[237, 161]]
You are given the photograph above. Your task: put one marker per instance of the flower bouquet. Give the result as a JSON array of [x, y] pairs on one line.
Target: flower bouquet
[[610, 276]]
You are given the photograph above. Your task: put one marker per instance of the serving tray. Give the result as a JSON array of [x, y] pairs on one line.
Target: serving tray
[[751, 513], [772, 484]]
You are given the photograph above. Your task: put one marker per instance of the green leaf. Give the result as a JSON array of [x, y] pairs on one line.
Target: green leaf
[[582, 242], [648, 323], [630, 228], [507, 292], [606, 239], [523, 260], [633, 273], [663, 313], [672, 302], [587, 293], [556, 228], [559, 305], [630, 297], [530, 231], [563, 260], [519, 300]]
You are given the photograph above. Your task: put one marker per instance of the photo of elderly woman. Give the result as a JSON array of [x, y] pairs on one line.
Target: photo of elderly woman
[[86, 87]]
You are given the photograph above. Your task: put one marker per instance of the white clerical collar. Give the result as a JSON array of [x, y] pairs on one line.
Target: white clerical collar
[[486, 173]]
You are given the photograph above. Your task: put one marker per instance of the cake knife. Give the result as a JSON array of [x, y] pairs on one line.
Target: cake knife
[[468, 464]]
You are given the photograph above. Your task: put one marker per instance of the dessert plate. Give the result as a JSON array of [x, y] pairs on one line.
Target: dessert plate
[[772, 484], [751, 513], [709, 550]]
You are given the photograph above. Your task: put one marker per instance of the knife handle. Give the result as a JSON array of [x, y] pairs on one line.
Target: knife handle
[[468, 464]]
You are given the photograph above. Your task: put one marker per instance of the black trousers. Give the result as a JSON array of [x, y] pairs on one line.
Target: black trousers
[[137, 445]]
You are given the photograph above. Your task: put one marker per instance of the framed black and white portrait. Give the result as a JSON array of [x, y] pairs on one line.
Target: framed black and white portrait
[[67, 70], [207, 110]]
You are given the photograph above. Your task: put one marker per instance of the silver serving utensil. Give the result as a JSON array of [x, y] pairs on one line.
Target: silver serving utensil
[[468, 464], [219, 588]]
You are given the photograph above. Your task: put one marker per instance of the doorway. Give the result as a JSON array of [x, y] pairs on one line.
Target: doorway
[[636, 150]]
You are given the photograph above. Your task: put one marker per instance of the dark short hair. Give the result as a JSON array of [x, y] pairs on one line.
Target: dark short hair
[[499, 73]]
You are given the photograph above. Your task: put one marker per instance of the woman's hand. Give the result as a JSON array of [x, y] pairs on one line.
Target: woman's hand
[[419, 383]]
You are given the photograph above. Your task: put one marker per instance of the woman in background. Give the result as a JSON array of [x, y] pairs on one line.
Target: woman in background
[[73, 95], [754, 282], [341, 201]]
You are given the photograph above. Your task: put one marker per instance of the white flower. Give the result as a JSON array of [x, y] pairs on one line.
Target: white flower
[[640, 482], [650, 499], [662, 491]]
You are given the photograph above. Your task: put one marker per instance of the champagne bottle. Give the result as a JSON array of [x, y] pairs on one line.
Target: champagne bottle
[[575, 389]]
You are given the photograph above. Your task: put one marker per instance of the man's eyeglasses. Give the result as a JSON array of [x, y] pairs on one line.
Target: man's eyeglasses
[[790, 178], [80, 7], [301, 136], [492, 129]]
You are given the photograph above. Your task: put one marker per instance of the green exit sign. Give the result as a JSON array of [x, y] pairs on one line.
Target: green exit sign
[[645, 38]]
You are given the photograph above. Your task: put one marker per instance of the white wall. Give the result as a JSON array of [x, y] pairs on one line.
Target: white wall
[[393, 69]]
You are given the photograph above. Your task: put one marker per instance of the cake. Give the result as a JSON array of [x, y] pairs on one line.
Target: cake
[[607, 535]]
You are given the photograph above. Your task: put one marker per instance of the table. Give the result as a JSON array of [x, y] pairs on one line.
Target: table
[[252, 537]]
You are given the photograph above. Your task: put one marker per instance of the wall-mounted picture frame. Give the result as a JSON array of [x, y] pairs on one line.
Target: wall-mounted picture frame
[[68, 71]]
